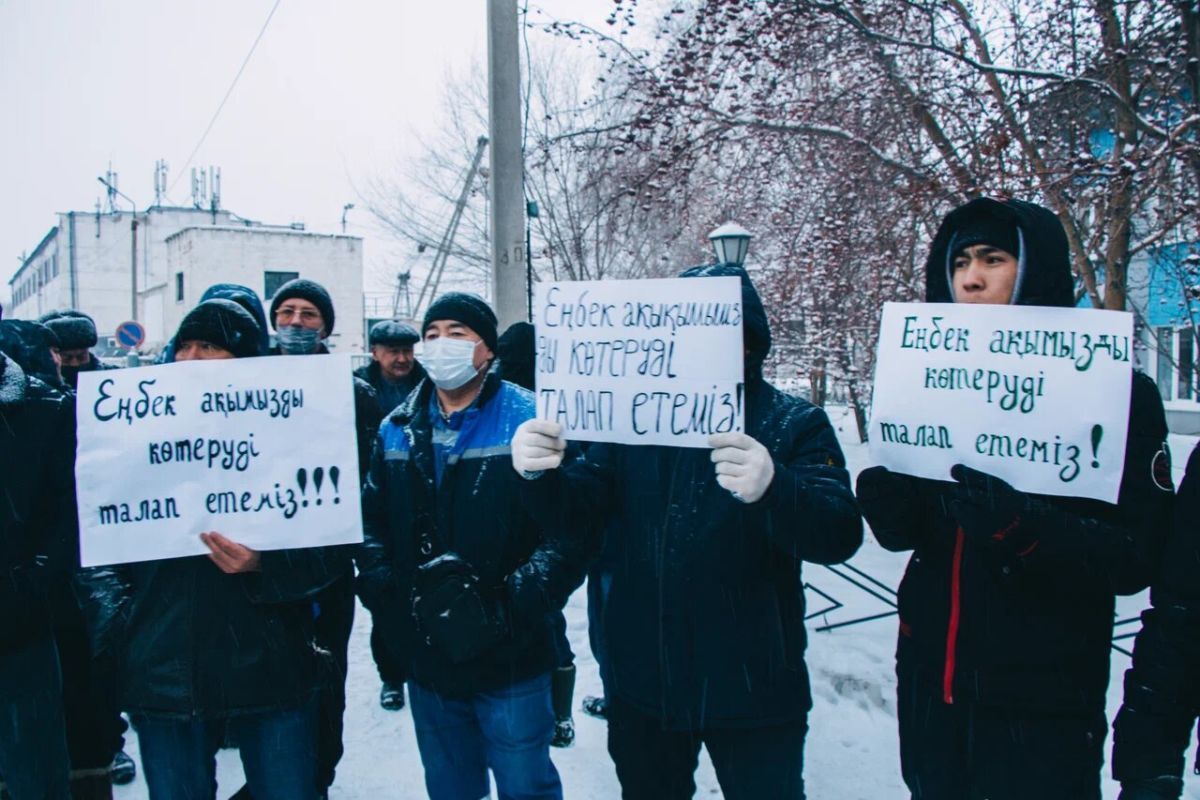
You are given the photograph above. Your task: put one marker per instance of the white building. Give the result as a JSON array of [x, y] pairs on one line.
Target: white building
[[152, 268]]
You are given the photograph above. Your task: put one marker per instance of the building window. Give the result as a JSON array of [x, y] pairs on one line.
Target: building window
[[273, 280], [178, 287], [1187, 363]]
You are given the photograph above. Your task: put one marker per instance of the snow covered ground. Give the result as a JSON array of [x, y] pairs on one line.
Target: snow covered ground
[[852, 751]]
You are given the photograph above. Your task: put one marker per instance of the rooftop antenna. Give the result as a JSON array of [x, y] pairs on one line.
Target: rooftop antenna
[[110, 181], [160, 181], [214, 174]]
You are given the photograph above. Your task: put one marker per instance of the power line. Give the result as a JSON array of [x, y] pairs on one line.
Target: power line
[[217, 113]]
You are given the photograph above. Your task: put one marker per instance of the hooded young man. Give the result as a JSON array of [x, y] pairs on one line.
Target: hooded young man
[[703, 616], [1006, 608], [37, 445], [76, 335], [1162, 691], [464, 578], [303, 316], [219, 643]]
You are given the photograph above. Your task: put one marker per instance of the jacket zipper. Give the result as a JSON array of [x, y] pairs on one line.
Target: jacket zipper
[[955, 613]]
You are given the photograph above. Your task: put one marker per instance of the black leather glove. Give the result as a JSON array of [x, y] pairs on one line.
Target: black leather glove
[[886, 498], [993, 513], [455, 611], [1164, 788]]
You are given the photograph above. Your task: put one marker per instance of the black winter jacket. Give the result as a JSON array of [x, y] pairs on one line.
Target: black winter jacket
[[373, 376], [37, 512], [704, 616], [476, 513], [190, 640], [1028, 634], [1162, 689]]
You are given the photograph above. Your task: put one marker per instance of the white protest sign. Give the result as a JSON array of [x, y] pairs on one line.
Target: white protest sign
[[641, 362], [1038, 397], [262, 450]]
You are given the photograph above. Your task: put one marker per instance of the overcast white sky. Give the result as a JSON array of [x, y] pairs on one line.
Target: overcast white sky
[[334, 93]]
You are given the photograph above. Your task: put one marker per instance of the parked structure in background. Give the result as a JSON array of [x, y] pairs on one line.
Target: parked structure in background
[[87, 259]]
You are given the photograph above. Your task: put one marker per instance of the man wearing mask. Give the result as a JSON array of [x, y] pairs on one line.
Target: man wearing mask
[[37, 444], [392, 373], [303, 316], [464, 579], [1006, 607], [703, 613], [76, 334], [217, 644]]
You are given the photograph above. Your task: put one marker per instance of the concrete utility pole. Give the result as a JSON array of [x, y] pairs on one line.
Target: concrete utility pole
[[506, 183]]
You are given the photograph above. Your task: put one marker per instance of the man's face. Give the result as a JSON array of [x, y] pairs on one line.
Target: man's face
[[395, 361], [199, 350], [984, 274], [74, 358], [299, 313], [452, 329]]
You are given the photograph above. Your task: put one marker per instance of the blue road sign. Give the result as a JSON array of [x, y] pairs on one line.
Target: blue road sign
[[131, 334]]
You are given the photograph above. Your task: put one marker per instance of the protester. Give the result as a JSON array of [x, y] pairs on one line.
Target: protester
[[464, 579], [1154, 725], [703, 621], [303, 316], [216, 644], [1006, 607], [394, 370], [515, 361], [245, 297], [76, 334], [37, 526]]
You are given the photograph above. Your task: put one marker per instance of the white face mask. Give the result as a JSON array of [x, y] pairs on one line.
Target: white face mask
[[450, 363]]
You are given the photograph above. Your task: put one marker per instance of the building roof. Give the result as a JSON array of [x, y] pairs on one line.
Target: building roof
[[37, 251]]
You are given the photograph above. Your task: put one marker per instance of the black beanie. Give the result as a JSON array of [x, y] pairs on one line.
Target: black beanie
[[391, 333], [986, 229], [308, 290], [223, 323], [469, 309], [73, 329]]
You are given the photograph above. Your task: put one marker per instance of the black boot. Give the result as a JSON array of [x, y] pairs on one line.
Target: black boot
[[391, 696], [595, 707], [123, 770]]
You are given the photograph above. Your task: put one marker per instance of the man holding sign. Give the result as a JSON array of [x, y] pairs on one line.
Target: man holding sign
[[220, 642], [1006, 608], [703, 621]]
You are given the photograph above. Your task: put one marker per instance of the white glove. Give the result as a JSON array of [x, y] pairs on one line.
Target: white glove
[[537, 445], [744, 467]]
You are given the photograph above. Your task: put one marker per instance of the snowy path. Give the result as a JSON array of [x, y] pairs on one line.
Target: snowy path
[[851, 753]]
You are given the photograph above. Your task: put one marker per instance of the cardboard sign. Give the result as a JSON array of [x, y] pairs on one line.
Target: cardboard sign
[[1038, 397], [262, 450], [641, 362]]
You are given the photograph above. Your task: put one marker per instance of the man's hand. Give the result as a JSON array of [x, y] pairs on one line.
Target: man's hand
[[230, 556], [537, 445], [744, 467], [992, 512], [886, 498]]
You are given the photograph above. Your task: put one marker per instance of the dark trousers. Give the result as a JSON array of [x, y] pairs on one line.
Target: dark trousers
[[657, 764], [90, 703], [335, 618], [968, 752], [598, 584], [389, 663], [33, 739], [277, 749]]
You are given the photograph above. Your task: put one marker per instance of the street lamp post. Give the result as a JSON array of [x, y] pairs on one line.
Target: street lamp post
[[133, 282], [345, 208], [730, 243]]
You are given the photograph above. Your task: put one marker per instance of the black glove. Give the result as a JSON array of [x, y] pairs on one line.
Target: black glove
[[456, 613], [993, 513], [1164, 788], [886, 498]]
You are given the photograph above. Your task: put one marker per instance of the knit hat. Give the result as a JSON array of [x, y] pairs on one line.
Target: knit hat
[[469, 309], [516, 351], [308, 290], [73, 329], [223, 323], [986, 229], [393, 334]]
